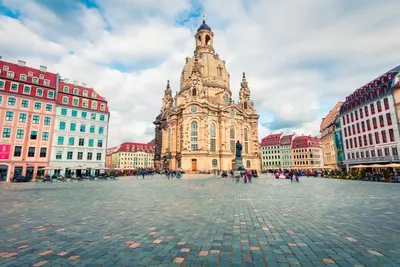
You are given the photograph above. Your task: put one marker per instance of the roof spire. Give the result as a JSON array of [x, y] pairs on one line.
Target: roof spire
[[168, 84], [204, 18], [244, 75]]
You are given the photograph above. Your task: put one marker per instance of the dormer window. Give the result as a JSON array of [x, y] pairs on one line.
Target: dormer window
[[46, 83], [22, 77], [6, 68], [66, 89], [85, 93], [76, 91], [41, 76], [35, 80], [10, 74], [94, 95], [103, 107], [30, 74]]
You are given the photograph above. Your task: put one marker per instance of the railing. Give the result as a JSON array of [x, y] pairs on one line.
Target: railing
[[373, 160]]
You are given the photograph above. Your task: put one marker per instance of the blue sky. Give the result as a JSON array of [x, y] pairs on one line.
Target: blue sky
[[299, 58]]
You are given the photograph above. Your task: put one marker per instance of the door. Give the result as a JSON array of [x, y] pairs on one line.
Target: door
[[194, 165], [3, 173], [29, 172]]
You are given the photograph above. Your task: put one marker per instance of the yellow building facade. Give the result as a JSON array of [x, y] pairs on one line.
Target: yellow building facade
[[198, 128], [132, 156]]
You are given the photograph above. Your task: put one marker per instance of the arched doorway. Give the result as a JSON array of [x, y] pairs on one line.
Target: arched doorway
[[3, 173], [194, 165]]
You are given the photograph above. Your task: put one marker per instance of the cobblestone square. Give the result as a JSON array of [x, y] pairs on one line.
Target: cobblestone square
[[200, 222]]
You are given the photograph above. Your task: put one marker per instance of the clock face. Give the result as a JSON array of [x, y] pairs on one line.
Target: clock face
[[195, 82], [193, 109]]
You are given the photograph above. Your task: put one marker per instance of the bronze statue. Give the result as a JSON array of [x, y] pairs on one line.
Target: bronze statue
[[238, 149]]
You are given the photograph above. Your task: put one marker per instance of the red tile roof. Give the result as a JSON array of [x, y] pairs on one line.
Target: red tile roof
[[136, 147], [286, 140], [305, 141], [271, 140]]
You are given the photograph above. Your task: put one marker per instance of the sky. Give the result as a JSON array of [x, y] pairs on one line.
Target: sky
[[300, 57]]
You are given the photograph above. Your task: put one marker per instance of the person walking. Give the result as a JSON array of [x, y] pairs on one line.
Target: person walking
[[249, 174]]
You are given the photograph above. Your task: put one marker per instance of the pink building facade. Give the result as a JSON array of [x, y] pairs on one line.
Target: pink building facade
[[27, 114]]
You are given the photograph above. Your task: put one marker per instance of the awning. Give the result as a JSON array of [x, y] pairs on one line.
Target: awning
[[393, 165], [359, 166], [50, 168], [77, 168]]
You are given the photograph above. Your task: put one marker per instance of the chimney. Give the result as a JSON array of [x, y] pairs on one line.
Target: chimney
[[1, 57], [66, 80], [43, 68], [21, 63], [84, 84], [75, 82]]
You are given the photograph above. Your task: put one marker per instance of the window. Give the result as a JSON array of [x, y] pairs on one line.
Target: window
[[99, 143], [75, 101], [43, 152], [371, 142], [386, 103], [46, 82], [361, 113], [94, 105], [381, 121], [83, 128], [66, 89], [17, 151], [363, 126], [212, 138], [50, 94], [101, 130], [81, 142], [39, 92], [6, 132], [64, 111], [76, 91], [353, 128], [84, 114], [373, 154], [14, 87], [71, 141], [388, 119], [358, 127], [35, 80], [93, 116], [194, 135], [391, 135], [248, 164], [11, 101], [352, 117], [356, 114], [65, 99], [27, 89], [372, 108], [49, 107], [35, 119], [74, 113], [45, 136], [47, 120], [23, 77], [344, 120], [90, 142], [355, 142], [38, 105], [374, 123], [62, 125], [214, 163], [2, 84], [10, 74], [377, 138], [60, 141], [85, 93], [24, 103], [368, 125], [365, 140], [246, 141], [20, 134], [359, 141], [347, 144], [30, 74], [69, 154], [103, 107], [59, 155], [394, 151], [6, 68], [31, 152], [379, 106], [9, 116], [94, 95], [98, 156], [89, 155], [91, 129], [366, 111], [84, 103], [379, 151], [33, 135], [80, 155], [384, 139], [22, 117]]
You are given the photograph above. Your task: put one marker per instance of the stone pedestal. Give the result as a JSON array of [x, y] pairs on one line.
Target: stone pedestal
[[239, 163]]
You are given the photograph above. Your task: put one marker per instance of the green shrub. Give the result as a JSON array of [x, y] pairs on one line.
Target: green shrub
[[332, 173], [363, 174], [387, 174]]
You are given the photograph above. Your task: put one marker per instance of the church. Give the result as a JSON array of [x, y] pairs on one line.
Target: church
[[197, 129]]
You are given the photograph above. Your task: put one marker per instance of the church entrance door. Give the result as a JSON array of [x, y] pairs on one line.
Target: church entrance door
[[194, 165]]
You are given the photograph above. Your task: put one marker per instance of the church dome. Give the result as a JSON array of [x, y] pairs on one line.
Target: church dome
[[204, 26]]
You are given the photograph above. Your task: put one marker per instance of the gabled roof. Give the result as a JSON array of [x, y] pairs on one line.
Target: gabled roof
[[305, 141], [286, 140], [271, 140], [136, 147]]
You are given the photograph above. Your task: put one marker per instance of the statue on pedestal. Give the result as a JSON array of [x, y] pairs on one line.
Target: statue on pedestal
[[238, 159]]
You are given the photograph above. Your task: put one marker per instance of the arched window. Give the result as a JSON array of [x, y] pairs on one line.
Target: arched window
[[212, 138], [245, 105], [248, 164], [85, 93], [169, 139], [76, 91], [232, 138], [208, 39], [226, 99], [194, 135], [219, 72], [194, 92], [181, 137], [199, 40], [214, 163], [246, 141]]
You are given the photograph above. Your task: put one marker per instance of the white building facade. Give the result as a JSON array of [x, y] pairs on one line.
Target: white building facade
[[286, 151], [369, 120], [270, 152]]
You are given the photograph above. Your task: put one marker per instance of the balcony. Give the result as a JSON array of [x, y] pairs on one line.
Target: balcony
[[372, 160]]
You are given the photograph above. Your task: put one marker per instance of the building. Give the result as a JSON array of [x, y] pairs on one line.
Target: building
[[370, 121], [327, 129], [27, 111], [307, 152], [109, 153], [80, 130], [271, 152], [285, 151], [132, 156], [198, 128]]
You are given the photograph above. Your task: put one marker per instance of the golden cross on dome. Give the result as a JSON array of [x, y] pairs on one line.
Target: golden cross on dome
[[204, 18]]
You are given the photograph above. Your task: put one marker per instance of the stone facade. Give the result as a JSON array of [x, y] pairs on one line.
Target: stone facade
[[198, 128], [328, 128]]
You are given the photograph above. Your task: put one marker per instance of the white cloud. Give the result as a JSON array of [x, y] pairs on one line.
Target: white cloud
[[298, 56]]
